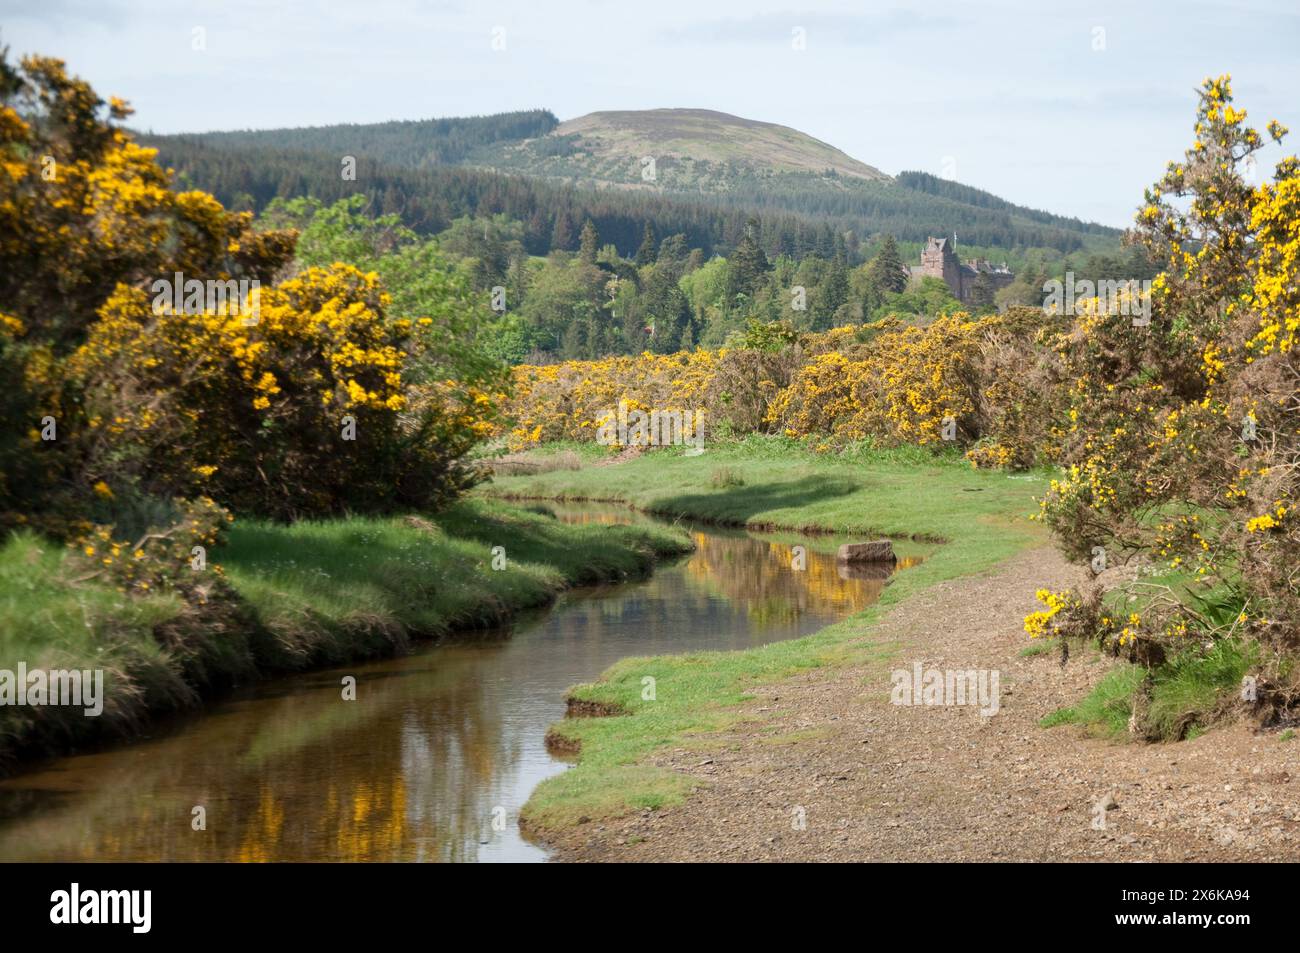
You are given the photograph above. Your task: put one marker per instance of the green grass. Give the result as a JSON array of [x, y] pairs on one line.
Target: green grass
[[1187, 689], [788, 488], [309, 594], [42, 618], [981, 517], [1183, 694], [1040, 647], [345, 589], [46, 622], [723, 477], [1105, 711]]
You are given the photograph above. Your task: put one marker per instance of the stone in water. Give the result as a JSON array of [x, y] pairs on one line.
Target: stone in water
[[877, 551]]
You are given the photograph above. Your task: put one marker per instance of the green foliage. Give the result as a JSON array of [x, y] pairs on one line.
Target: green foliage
[[771, 336], [488, 247], [1186, 690], [749, 265], [564, 308], [420, 277], [927, 298], [1106, 710], [885, 275], [645, 253]]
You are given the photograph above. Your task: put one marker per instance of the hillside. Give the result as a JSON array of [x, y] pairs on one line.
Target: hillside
[[711, 172], [692, 149]]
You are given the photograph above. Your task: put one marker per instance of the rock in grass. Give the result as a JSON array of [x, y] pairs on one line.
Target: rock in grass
[[877, 551]]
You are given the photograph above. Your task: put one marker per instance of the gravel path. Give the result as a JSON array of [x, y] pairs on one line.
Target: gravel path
[[871, 780]]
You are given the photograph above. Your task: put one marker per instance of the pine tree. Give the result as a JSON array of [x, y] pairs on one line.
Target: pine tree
[[748, 264], [887, 270], [645, 255], [517, 280], [588, 243], [831, 295], [562, 234], [673, 248]]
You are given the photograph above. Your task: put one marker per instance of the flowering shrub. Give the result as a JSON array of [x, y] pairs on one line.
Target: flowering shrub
[[324, 401], [884, 381], [83, 209], [991, 455], [1044, 623], [900, 385], [311, 410], [570, 401], [1181, 442], [1140, 636], [161, 557]]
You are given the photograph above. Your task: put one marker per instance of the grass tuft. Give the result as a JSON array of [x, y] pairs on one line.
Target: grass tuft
[[1106, 710], [1187, 690]]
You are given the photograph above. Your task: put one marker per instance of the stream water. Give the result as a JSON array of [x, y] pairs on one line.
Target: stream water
[[437, 746]]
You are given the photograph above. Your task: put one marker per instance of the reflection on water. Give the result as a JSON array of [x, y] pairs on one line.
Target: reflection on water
[[440, 749]]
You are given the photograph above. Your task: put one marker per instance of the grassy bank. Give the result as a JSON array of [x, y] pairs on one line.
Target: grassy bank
[[298, 596], [981, 517], [1175, 700]]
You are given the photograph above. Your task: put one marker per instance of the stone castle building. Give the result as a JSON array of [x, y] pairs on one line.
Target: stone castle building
[[939, 260]]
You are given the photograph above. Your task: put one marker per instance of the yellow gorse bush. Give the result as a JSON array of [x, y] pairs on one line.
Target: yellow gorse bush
[[1184, 437], [570, 400], [1038, 624], [884, 381], [900, 387], [310, 398], [255, 414]]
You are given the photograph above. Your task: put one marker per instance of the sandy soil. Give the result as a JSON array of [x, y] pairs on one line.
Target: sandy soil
[[876, 781]]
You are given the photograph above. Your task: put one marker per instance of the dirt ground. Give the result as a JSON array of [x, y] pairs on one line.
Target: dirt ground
[[836, 772]]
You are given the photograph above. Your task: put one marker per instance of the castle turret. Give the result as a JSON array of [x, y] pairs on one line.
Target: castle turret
[[939, 260]]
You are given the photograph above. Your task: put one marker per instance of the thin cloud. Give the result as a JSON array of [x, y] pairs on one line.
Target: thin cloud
[[828, 28], [110, 13]]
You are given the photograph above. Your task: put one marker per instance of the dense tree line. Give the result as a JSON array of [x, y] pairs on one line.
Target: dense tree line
[[668, 296], [429, 200], [795, 219], [914, 214], [967, 195], [411, 143]]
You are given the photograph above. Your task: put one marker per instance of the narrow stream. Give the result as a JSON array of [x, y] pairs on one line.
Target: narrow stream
[[438, 744]]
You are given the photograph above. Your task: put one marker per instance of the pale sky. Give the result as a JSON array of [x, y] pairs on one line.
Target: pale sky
[[1067, 106]]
